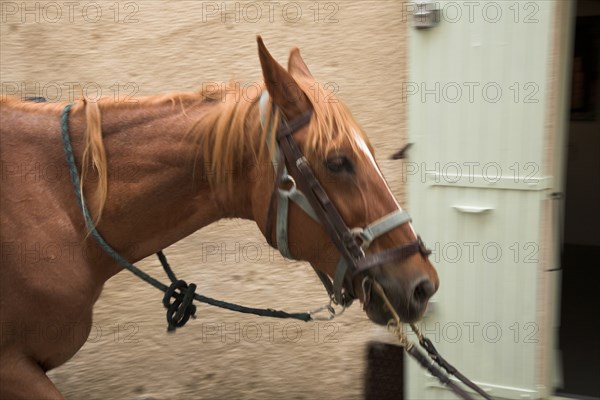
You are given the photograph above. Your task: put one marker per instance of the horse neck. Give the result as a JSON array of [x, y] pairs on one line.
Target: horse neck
[[158, 188]]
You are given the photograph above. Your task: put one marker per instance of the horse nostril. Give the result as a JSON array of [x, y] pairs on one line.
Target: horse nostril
[[423, 291]]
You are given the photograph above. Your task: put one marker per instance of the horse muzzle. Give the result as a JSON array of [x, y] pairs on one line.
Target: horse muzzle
[[409, 298]]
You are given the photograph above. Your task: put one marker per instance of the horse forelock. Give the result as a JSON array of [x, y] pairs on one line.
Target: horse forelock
[[332, 124], [233, 136]]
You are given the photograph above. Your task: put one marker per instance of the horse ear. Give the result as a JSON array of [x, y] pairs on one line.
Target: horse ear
[[297, 66], [282, 87]]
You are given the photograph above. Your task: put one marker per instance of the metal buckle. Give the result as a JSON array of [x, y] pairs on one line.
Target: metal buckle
[[351, 244], [359, 233], [331, 312], [286, 179]]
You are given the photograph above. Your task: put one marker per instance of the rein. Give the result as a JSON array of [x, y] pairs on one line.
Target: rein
[[181, 309], [432, 358]]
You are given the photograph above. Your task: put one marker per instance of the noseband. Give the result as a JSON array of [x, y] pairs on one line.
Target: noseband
[[308, 193]]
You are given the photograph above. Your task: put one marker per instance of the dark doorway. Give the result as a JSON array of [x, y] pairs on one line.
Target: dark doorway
[[579, 335]]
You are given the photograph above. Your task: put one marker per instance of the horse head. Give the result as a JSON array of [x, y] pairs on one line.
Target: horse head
[[371, 235]]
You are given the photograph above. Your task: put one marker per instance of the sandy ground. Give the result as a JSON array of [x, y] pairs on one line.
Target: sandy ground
[[150, 47]]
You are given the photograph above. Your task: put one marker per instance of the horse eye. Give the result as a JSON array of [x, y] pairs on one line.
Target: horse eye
[[339, 164]]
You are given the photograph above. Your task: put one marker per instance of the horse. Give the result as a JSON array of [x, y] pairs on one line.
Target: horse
[[156, 170]]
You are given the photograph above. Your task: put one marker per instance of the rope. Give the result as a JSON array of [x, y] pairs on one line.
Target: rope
[[86, 214], [433, 360], [181, 309]]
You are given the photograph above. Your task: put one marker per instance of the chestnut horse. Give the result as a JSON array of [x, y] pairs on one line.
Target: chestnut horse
[[192, 158]]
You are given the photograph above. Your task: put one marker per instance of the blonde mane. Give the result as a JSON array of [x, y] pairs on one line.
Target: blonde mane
[[227, 137]]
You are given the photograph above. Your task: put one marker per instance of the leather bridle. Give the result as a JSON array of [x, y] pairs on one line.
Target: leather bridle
[[308, 193], [351, 243]]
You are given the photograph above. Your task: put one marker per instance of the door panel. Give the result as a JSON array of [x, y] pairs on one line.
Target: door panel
[[477, 187]]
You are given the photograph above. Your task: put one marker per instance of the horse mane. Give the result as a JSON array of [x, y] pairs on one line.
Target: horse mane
[[227, 137], [94, 151]]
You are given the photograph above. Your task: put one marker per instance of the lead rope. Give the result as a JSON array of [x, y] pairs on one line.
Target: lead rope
[[181, 309], [441, 361], [428, 363]]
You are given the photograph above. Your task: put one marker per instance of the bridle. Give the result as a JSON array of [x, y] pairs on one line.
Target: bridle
[[351, 242], [307, 192]]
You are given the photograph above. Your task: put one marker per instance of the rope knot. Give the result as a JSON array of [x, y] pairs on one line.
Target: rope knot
[[182, 308]]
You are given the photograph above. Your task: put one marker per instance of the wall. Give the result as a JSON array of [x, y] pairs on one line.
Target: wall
[[58, 50]]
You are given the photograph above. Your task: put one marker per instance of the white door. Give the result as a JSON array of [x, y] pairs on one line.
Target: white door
[[479, 187]]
